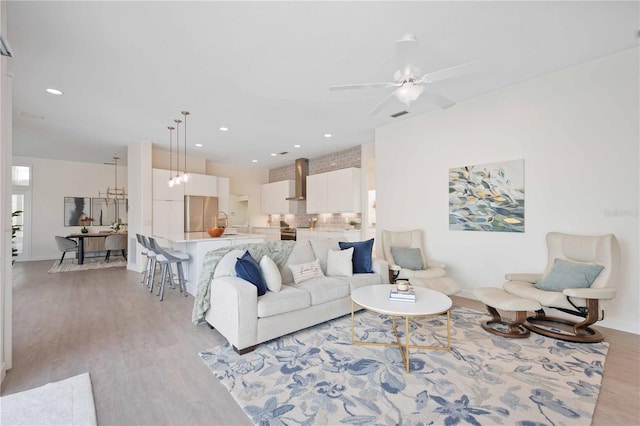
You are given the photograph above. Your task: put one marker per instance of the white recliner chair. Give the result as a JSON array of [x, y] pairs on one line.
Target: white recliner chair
[[580, 275], [407, 261]]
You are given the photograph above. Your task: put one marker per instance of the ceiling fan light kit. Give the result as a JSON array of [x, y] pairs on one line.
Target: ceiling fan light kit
[[409, 81], [408, 93]]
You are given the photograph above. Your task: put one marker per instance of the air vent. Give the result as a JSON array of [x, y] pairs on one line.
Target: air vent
[[398, 114], [284, 153]]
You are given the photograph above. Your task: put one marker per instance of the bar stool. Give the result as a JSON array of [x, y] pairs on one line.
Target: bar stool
[[146, 252], [166, 258]]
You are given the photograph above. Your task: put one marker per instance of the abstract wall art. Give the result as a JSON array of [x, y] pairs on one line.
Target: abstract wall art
[[76, 209], [487, 197]]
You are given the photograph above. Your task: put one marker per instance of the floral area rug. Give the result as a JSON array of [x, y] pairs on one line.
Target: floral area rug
[[316, 376]]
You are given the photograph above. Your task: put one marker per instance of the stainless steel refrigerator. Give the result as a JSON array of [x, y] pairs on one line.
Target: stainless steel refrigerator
[[199, 213]]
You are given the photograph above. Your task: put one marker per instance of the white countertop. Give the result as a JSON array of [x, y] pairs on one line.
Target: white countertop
[[190, 237]]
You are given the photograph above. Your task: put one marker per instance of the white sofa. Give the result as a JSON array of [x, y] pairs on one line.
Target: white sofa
[[246, 320]]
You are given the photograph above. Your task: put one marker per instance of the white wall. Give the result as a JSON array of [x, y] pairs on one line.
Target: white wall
[[52, 181], [244, 181], [578, 132]]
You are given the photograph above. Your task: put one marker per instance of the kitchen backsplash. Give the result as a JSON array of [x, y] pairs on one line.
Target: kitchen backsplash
[[322, 221]]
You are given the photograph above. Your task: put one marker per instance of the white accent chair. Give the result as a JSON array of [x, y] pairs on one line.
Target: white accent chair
[[433, 276], [586, 303]]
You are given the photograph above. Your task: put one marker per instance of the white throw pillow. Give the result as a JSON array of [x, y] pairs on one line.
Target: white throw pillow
[[270, 273], [339, 263], [306, 271], [226, 267]]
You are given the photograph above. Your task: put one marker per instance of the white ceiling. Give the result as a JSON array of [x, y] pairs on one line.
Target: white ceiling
[[263, 69]]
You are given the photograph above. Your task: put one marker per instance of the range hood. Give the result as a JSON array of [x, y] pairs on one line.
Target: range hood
[[302, 171]]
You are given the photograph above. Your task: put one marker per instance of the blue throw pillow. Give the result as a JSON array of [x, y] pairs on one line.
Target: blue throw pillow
[[566, 274], [408, 258], [362, 263], [248, 269]]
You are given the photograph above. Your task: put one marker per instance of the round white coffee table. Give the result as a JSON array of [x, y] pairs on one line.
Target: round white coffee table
[[428, 303]]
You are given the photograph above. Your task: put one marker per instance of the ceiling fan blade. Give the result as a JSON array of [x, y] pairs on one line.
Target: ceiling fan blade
[[437, 99], [407, 55], [382, 104], [451, 72], [362, 86]]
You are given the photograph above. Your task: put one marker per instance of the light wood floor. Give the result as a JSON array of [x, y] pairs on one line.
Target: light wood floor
[[142, 354]]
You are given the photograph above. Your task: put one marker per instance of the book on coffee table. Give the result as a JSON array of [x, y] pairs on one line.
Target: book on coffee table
[[402, 296]]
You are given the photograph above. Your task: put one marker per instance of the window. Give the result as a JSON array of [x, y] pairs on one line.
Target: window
[[21, 175]]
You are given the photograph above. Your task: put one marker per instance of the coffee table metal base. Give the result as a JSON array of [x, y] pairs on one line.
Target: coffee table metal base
[[404, 348]]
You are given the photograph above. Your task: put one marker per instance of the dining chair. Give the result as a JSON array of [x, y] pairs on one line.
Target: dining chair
[[65, 245], [115, 242]]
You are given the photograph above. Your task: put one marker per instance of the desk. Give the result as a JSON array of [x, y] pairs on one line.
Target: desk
[[81, 237]]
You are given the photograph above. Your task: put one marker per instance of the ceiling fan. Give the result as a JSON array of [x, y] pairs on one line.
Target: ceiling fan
[[409, 81]]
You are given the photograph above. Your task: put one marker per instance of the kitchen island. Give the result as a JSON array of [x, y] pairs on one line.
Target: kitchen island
[[198, 244]]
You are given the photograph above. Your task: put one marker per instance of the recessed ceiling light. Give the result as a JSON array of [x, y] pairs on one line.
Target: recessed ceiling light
[[224, 129], [296, 146], [199, 145], [254, 161], [54, 91], [273, 154], [327, 135]]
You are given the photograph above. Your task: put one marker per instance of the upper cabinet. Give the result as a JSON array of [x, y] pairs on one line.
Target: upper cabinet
[[201, 185], [274, 197], [334, 192], [223, 194], [197, 185], [161, 189]]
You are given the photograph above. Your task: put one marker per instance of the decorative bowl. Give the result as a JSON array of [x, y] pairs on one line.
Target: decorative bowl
[[215, 232]]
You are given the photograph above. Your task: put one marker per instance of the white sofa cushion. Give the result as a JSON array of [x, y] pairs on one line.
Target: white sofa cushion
[[286, 300], [339, 263], [226, 267], [321, 247], [325, 289], [361, 280], [301, 253], [270, 273]]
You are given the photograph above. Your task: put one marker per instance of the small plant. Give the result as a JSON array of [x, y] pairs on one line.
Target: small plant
[[116, 226], [14, 231]]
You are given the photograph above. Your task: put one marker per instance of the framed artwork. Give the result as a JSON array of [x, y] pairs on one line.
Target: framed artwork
[[106, 212], [487, 197], [76, 209]]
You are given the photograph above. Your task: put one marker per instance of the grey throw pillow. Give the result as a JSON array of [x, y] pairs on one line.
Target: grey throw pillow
[[408, 258], [566, 274]]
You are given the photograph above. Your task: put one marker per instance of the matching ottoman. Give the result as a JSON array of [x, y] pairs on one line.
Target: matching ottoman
[[497, 298]]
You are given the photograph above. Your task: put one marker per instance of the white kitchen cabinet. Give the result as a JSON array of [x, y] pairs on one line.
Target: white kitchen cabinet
[[270, 234], [161, 189], [168, 217], [317, 193], [337, 191], [274, 197], [204, 185], [223, 194]]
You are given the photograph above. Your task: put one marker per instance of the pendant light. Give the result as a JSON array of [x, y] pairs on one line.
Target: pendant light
[[171, 129], [177, 180], [185, 176]]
